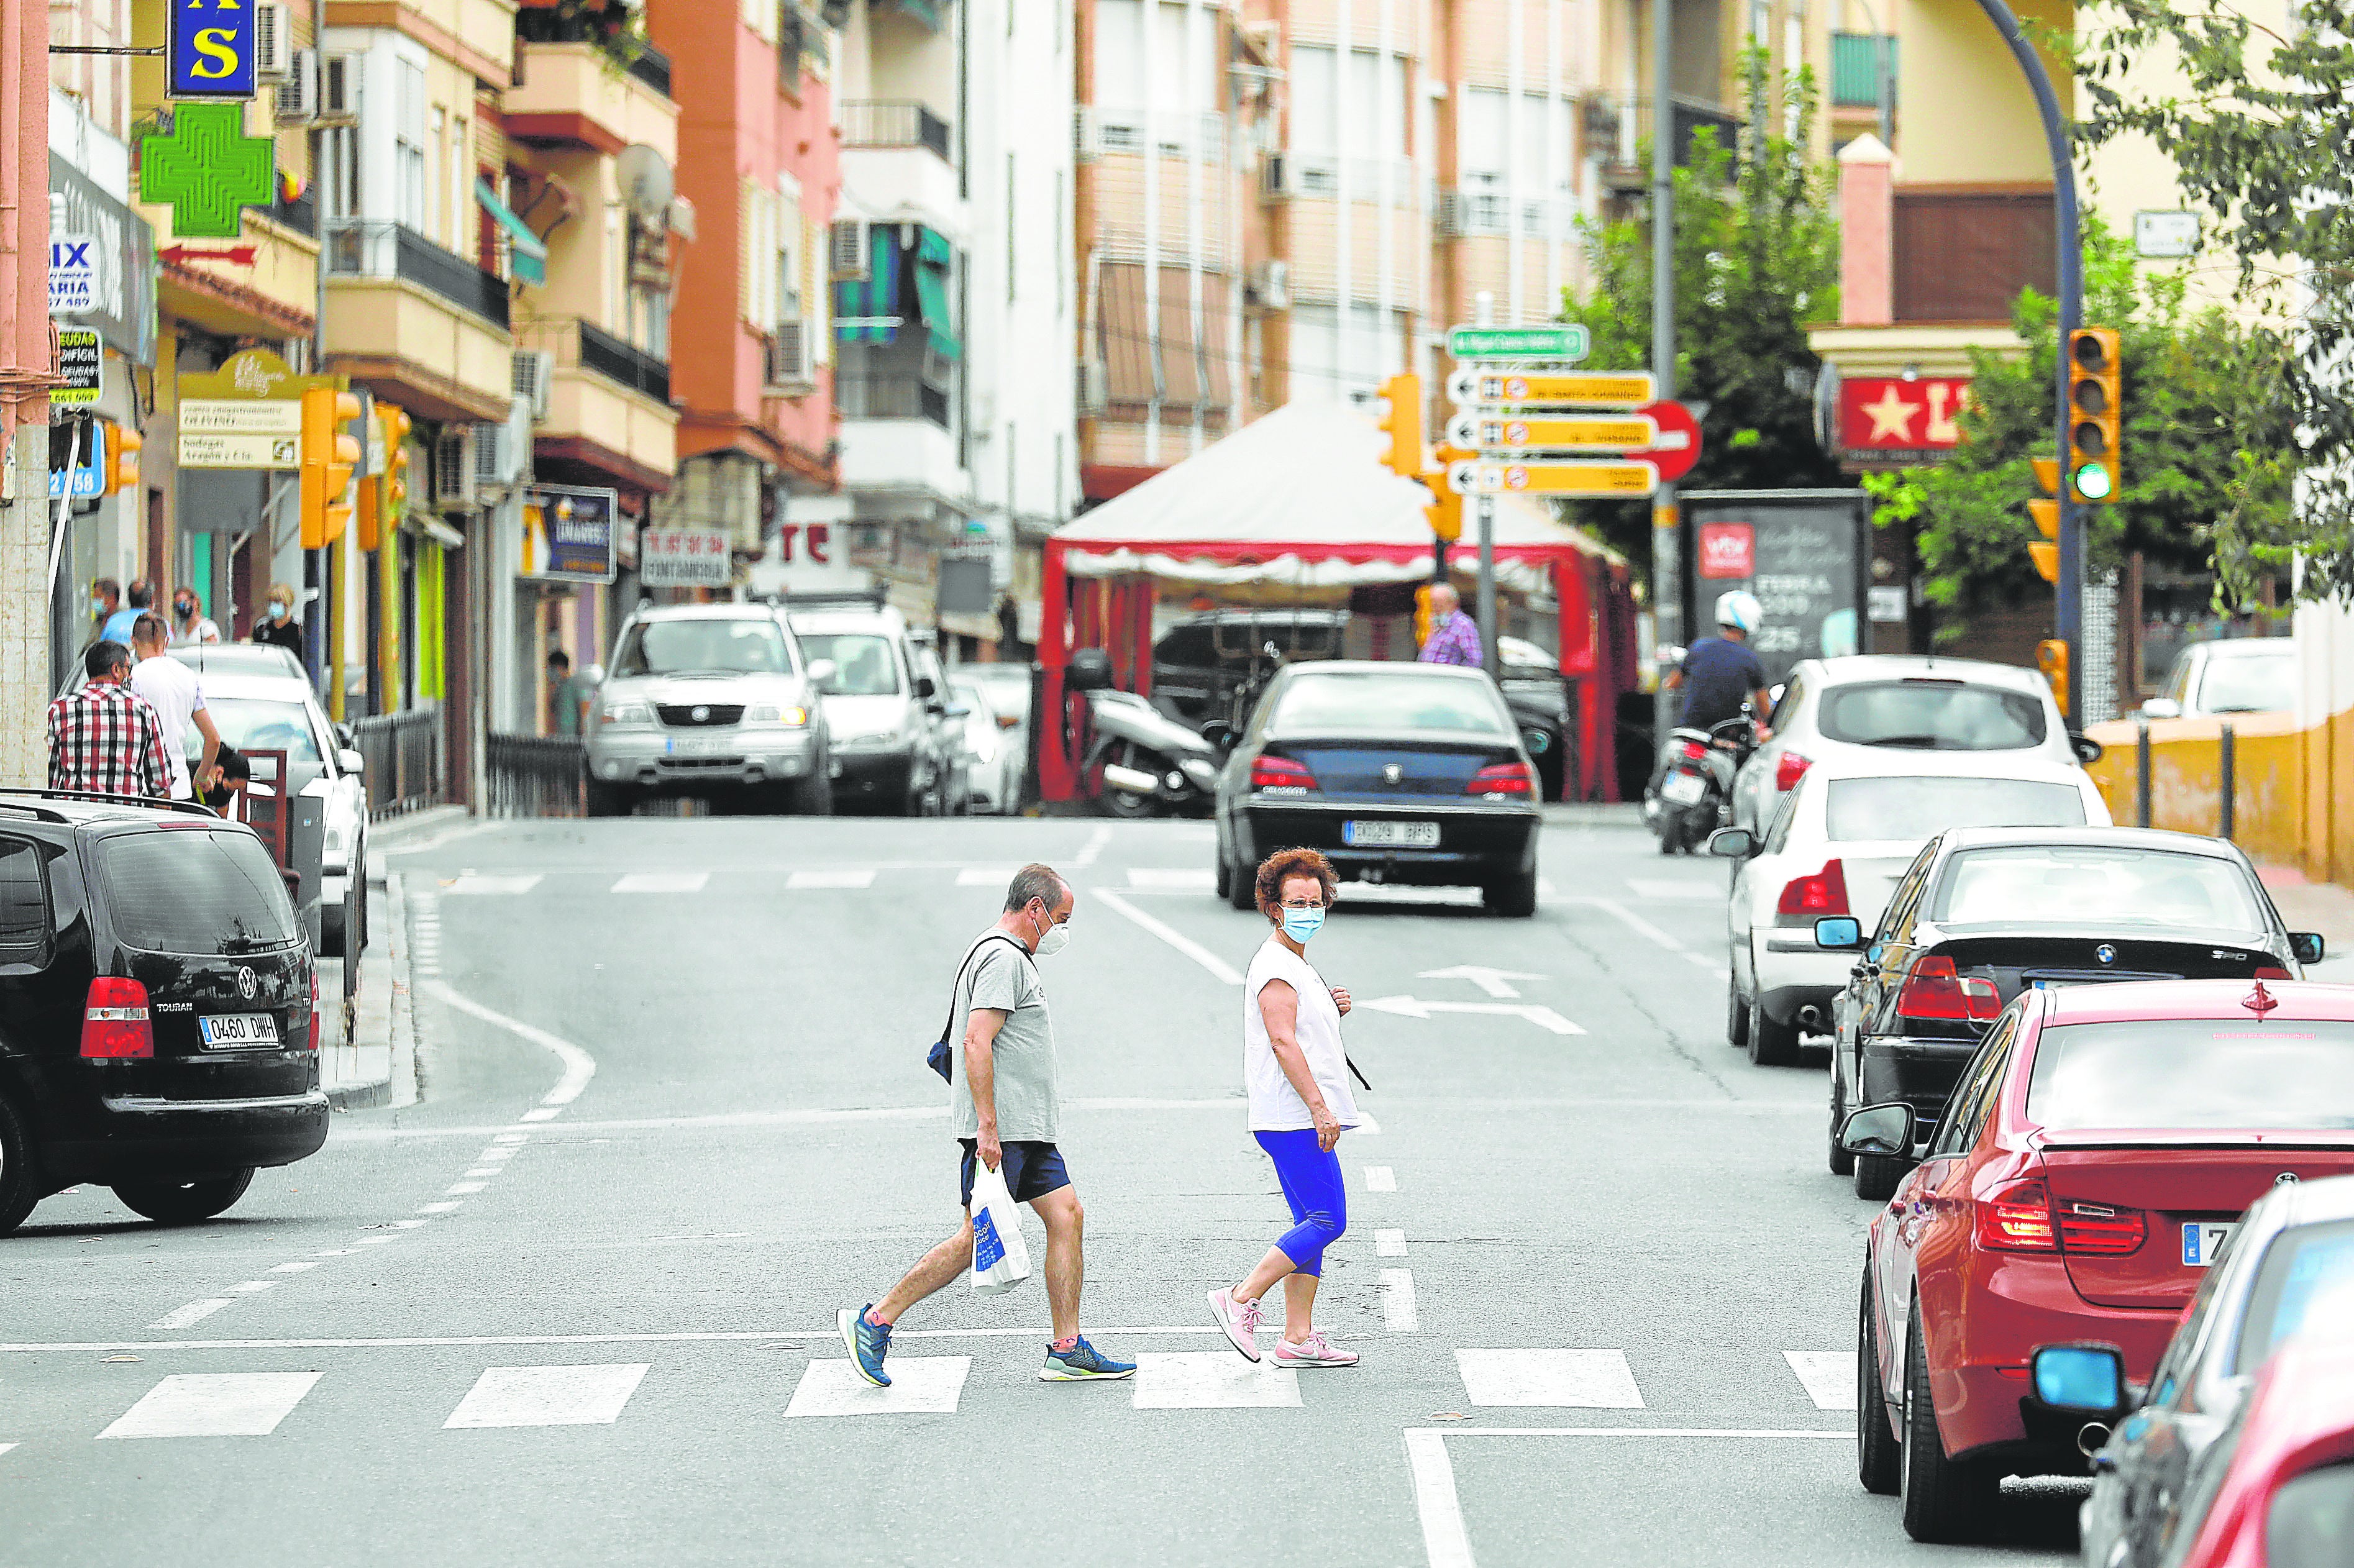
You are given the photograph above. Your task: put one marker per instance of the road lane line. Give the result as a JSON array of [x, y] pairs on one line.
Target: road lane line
[[578, 1065], [1366, 1126], [1389, 1244], [6, 1446], [542, 1113], [688, 1337], [1828, 1376], [548, 1396], [662, 881], [1219, 968], [463, 1189], [1211, 1380], [481, 1171], [1575, 1380], [214, 1405], [1093, 847], [1381, 1178], [194, 1312], [442, 1208], [1398, 1314], [920, 1385], [481, 882], [1644, 928], [300, 1267], [251, 1287]]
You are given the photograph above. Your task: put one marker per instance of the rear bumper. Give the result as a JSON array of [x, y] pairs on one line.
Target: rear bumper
[[1921, 1073], [1985, 1404], [1476, 846], [137, 1138], [1790, 977]]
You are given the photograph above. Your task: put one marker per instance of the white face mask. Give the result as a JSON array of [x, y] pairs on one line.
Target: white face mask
[[1056, 937]]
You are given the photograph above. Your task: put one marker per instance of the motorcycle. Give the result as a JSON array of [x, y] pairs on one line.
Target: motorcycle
[[1149, 764], [1694, 797]]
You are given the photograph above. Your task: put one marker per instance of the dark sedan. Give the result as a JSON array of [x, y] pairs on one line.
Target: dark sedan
[[1411, 774], [1984, 913]]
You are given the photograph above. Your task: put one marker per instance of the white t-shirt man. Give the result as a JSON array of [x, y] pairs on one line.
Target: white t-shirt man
[[171, 689], [1275, 1105]]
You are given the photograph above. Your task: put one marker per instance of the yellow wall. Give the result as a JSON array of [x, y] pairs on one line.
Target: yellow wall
[[2269, 794], [1963, 93]]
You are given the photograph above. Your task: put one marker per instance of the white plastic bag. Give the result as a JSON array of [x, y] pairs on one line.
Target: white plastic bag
[[999, 1259]]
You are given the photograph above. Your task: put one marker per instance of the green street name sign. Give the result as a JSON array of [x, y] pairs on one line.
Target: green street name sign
[[1558, 343]]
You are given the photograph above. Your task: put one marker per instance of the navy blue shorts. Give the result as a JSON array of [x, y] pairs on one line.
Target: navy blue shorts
[[1030, 1170]]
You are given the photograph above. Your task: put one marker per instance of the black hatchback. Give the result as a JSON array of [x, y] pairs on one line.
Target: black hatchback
[[158, 1007]]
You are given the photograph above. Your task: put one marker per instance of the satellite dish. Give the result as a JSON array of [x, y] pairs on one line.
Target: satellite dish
[[646, 182]]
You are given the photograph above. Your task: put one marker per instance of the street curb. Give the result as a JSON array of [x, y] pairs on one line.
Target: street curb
[[411, 1087], [410, 822], [382, 965]]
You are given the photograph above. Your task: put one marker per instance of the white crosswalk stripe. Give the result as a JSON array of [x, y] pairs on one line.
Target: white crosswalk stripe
[[214, 1405], [477, 882], [920, 1385], [548, 1396], [662, 881], [1828, 1376], [1577, 1380], [1211, 1380]]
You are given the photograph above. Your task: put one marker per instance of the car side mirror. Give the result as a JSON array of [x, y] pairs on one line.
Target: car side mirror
[[958, 710], [1839, 934], [592, 675], [823, 670], [1221, 735], [2083, 1379], [2309, 946], [924, 688], [1884, 1131], [2161, 708], [1733, 843], [352, 762], [2088, 750]]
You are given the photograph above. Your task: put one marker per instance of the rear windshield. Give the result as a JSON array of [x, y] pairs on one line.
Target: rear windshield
[[2098, 885], [262, 724], [2194, 1072], [2311, 1521], [1916, 808], [2302, 1267], [1386, 702], [205, 892], [747, 647], [2250, 684], [1933, 715]]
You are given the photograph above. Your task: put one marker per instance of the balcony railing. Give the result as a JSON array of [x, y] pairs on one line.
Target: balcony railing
[[378, 248], [1616, 125], [873, 123], [617, 360], [548, 24], [1855, 70], [890, 397]]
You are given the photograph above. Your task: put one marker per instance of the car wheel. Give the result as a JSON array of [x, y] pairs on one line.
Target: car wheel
[[1515, 897], [1771, 1045], [1843, 1163], [1242, 890], [1224, 875], [20, 1173], [1877, 1455], [1736, 1014], [184, 1202], [1941, 1496], [1876, 1176], [608, 799]]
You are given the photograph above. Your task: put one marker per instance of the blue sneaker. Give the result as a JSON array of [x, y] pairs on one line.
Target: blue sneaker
[[867, 1344], [1082, 1363]]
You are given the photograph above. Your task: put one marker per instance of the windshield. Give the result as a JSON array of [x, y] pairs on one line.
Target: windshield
[[1387, 702], [196, 892], [2311, 1521], [1916, 808], [260, 724], [2250, 683], [2175, 1073], [746, 647], [2096, 885], [863, 665], [2305, 1265], [1933, 715]]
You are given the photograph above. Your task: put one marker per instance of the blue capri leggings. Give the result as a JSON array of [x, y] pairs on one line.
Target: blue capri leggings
[[1311, 1185]]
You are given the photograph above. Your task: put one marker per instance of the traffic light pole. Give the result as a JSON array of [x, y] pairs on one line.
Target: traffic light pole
[[1667, 522]]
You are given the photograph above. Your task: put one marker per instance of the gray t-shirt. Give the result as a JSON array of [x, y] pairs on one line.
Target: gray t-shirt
[[1004, 978]]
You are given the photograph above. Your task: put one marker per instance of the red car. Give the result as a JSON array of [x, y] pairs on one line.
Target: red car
[[2096, 1154]]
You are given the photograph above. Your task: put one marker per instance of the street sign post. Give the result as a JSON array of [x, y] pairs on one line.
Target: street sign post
[[1488, 432], [1563, 343], [1591, 479], [1570, 388]]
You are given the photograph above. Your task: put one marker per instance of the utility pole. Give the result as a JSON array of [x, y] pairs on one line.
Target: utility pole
[[1484, 305], [23, 393], [1667, 528]]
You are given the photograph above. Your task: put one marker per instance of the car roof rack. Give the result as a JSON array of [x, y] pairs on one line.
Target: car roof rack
[[842, 599], [194, 808]]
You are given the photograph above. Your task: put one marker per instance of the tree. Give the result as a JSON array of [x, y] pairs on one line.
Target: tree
[[2259, 138], [2190, 378], [1756, 258]]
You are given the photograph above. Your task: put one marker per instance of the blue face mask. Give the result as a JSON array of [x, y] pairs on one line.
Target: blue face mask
[[1301, 924]]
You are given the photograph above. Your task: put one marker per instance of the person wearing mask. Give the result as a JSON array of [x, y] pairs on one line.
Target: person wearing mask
[[1298, 1077], [118, 625], [1006, 1109], [1718, 675], [104, 738], [172, 689], [190, 624], [232, 776], [105, 599], [277, 625], [1454, 636]]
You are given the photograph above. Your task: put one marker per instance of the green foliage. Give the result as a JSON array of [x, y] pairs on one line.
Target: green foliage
[[1756, 258]]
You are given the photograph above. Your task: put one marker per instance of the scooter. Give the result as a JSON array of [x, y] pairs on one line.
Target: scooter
[[1149, 764], [1694, 796]]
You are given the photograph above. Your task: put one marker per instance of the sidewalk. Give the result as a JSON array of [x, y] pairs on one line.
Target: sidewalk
[[374, 1063], [2323, 906]]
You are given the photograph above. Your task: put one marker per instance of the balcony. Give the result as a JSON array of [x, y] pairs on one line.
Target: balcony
[[1616, 126], [378, 248], [419, 325], [572, 97], [892, 123], [900, 157], [897, 438], [619, 361], [610, 419], [1855, 70], [890, 397]]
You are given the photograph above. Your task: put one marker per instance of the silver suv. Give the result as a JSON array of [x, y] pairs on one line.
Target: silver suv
[[708, 700], [885, 706]]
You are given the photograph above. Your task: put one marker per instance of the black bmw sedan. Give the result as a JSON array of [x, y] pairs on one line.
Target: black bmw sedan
[[1411, 774]]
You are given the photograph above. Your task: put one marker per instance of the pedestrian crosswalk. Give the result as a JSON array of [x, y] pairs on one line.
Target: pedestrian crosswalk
[[1151, 879]]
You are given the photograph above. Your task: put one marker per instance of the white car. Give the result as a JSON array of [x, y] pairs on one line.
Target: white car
[[274, 713], [1874, 704], [1838, 842], [992, 766], [2236, 675]]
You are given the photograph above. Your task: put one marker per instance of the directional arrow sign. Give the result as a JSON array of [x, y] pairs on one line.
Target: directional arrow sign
[[1485, 431], [1411, 1007], [1575, 388], [1492, 982], [1616, 479], [1562, 342]]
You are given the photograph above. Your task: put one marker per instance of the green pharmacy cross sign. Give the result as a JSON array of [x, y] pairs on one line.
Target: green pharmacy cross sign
[[208, 170]]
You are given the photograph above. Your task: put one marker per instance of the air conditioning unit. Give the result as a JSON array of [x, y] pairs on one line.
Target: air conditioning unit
[[1453, 214], [1086, 134], [1269, 287], [788, 372], [1280, 176], [273, 41], [496, 451], [1095, 387], [453, 470], [534, 367], [849, 256], [298, 95], [339, 89]]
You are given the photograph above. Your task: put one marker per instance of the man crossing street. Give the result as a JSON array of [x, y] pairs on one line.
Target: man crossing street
[[104, 738], [1454, 636]]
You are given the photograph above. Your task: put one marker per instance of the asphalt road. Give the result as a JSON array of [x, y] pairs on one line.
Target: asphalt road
[[576, 1305]]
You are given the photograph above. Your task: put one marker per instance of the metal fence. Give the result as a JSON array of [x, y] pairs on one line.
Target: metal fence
[[404, 761], [537, 776]]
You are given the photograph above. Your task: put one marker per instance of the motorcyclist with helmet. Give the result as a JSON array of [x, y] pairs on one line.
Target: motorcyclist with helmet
[[1718, 674]]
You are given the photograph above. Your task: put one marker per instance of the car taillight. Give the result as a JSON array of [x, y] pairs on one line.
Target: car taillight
[[1694, 750], [1933, 990], [1823, 892], [1503, 779], [313, 1033], [1280, 773], [2099, 1229], [1790, 770], [114, 1025], [2017, 1218], [2270, 971]]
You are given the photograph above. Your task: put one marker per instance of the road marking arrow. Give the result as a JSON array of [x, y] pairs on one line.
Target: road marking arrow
[[1492, 982], [1413, 1007]]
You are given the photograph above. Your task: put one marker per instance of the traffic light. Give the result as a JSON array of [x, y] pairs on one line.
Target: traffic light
[[121, 470], [384, 498], [2095, 395], [2052, 658], [329, 454], [1446, 511], [1422, 613], [1403, 425], [2046, 512]]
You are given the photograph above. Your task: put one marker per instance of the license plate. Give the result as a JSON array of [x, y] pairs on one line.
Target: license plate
[[1683, 789], [1390, 835], [700, 745], [235, 1031], [2203, 1242]]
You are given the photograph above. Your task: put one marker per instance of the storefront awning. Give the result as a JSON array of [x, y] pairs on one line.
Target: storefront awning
[[529, 253], [934, 256]]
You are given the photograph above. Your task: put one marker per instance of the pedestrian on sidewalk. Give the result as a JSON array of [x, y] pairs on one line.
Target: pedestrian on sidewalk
[[279, 626], [232, 776], [1298, 1077], [105, 599], [118, 625], [1004, 1101], [171, 689], [1454, 636], [104, 738], [190, 624]]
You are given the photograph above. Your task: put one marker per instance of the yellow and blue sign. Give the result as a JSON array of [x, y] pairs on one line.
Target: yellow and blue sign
[[212, 50]]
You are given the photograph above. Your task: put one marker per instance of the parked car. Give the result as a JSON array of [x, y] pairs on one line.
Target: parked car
[[886, 716], [2100, 1138], [1873, 703], [993, 768], [1399, 773], [1836, 846], [2233, 675], [1983, 914], [158, 1008], [1007, 686], [1539, 698], [239, 659], [710, 699]]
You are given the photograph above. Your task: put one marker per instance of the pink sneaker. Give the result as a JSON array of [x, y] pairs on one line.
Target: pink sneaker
[[1311, 1351], [1239, 1319]]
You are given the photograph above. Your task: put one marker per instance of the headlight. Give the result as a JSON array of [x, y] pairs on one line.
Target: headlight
[[769, 713], [627, 713], [985, 748]]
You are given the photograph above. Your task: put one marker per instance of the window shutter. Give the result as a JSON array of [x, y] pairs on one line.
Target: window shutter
[[816, 303]]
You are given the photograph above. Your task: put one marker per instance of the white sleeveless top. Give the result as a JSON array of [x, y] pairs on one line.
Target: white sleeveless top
[[1275, 1105]]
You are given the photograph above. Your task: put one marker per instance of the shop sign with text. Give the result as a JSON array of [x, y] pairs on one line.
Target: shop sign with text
[[1888, 420]]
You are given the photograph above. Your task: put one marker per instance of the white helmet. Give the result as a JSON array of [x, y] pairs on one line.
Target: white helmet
[[1739, 610]]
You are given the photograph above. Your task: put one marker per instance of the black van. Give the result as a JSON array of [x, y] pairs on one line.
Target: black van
[[158, 1007]]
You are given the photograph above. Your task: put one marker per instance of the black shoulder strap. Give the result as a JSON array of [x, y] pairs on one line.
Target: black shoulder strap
[[947, 1030]]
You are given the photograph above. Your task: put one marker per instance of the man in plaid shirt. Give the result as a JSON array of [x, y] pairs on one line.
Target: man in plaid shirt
[[1454, 636], [104, 738]]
